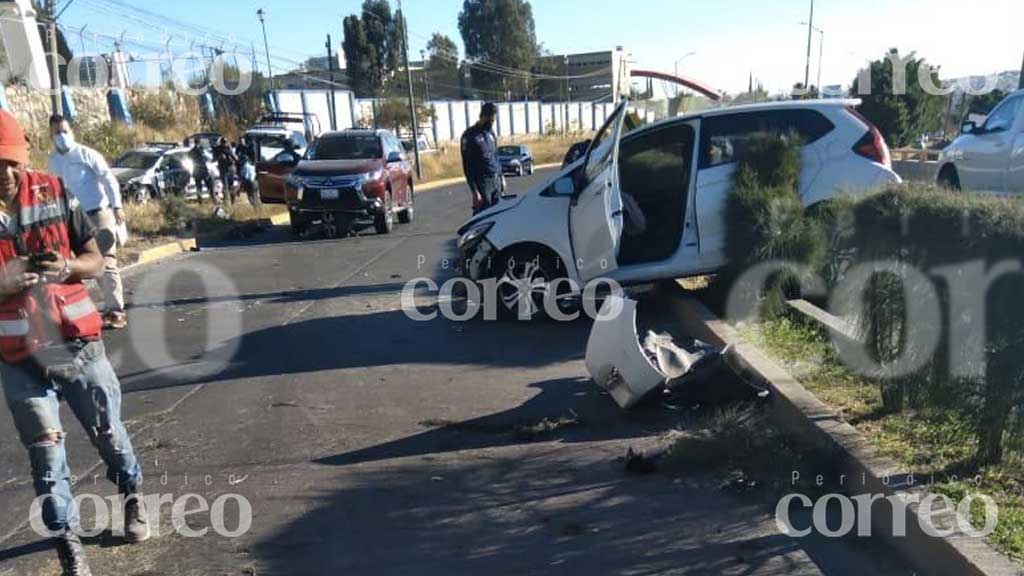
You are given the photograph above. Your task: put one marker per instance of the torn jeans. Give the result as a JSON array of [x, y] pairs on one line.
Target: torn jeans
[[88, 382]]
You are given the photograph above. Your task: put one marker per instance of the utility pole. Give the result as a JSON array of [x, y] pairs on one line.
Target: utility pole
[[330, 69], [821, 54], [51, 32], [270, 70], [568, 93], [426, 81], [412, 103], [810, 34], [1021, 84]]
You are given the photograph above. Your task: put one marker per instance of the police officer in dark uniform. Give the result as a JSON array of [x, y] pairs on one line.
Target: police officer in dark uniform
[[480, 160]]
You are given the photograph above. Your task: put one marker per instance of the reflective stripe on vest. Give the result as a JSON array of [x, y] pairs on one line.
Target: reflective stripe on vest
[[35, 213], [14, 328], [78, 310]]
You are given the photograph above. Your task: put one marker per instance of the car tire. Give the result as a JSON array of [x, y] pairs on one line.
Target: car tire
[[525, 269], [519, 171], [406, 216], [299, 225], [143, 194], [949, 178], [385, 223], [531, 169]]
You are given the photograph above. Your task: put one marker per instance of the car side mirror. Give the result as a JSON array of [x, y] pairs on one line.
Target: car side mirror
[[968, 128], [395, 157], [287, 159], [565, 186]]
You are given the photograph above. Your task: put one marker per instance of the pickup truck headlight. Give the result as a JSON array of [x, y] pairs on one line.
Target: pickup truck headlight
[[474, 235], [370, 177]]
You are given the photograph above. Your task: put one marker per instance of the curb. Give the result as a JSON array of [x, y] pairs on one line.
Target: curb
[[163, 251], [809, 420], [435, 184]]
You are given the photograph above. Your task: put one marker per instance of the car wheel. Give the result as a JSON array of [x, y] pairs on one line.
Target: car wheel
[[406, 216], [531, 169], [519, 171], [143, 194], [298, 223], [523, 281], [949, 179], [385, 223]]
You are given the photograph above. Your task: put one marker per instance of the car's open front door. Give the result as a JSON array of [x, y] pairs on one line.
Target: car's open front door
[[595, 218]]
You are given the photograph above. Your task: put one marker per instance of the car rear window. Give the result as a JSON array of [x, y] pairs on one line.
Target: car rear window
[[346, 148], [508, 150], [724, 138]]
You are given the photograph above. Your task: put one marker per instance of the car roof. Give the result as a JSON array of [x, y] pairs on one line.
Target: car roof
[[818, 104], [355, 132]]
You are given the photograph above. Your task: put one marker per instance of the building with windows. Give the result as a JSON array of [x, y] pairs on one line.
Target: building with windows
[[588, 77]]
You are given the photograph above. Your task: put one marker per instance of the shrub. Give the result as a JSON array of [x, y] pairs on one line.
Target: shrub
[[154, 109], [766, 220], [973, 243]]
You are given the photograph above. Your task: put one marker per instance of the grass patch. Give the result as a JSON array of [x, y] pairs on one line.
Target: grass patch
[[447, 161], [937, 445]]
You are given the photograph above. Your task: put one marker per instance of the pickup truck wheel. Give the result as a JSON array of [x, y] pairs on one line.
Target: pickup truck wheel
[[299, 224], [406, 216], [385, 223], [949, 179]]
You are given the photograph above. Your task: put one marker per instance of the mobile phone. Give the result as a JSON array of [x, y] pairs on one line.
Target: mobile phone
[[38, 259]]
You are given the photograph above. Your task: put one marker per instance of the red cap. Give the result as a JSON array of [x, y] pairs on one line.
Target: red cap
[[13, 145]]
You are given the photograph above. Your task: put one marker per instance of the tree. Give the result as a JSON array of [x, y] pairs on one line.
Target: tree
[[373, 47], [900, 117], [501, 32], [443, 53], [393, 113], [986, 102], [359, 55]]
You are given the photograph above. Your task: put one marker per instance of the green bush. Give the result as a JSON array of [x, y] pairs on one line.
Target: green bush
[[154, 109], [945, 235], [766, 220]]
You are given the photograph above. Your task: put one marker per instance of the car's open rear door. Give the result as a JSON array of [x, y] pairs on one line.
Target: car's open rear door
[[595, 218]]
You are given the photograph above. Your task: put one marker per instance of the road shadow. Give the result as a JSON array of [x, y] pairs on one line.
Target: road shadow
[[568, 410], [365, 339], [551, 510]]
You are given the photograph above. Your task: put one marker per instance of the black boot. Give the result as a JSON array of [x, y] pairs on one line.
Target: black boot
[[71, 554], [136, 522]]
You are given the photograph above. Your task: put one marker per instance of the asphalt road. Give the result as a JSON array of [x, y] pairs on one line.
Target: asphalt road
[[367, 443]]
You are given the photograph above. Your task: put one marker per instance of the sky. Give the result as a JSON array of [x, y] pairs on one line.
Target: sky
[[730, 39]]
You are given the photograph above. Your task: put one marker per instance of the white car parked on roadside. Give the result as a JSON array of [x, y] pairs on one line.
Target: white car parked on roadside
[[990, 157], [650, 204]]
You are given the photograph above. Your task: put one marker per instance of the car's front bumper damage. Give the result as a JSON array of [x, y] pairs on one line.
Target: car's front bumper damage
[[477, 260]]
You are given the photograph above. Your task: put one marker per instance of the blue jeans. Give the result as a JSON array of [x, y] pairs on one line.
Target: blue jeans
[[93, 393]]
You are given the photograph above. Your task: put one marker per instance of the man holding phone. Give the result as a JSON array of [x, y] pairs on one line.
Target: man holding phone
[[51, 347]]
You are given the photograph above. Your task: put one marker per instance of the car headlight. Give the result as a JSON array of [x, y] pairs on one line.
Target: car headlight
[[296, 183], [474, 235], [369, 177]]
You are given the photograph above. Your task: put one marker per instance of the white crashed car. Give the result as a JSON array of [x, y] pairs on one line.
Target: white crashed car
[[649, 204]]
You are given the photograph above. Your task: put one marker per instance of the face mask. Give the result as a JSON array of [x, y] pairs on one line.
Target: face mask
[[63, 142]]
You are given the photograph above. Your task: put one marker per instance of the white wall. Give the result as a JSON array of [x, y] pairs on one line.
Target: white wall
[[451, 118]]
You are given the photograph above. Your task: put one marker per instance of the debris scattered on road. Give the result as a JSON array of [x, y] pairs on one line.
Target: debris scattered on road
[[629, 368], [641, 462]]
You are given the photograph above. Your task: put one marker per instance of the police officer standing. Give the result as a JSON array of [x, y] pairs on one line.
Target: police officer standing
[[480, 160]]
